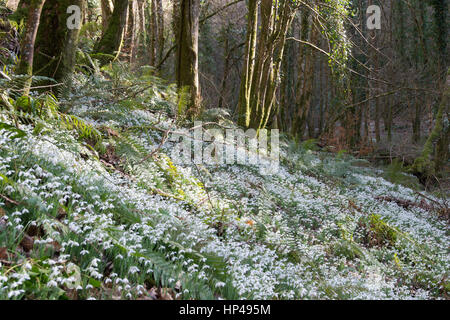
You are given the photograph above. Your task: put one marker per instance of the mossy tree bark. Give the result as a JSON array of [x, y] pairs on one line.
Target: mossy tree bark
[[112, 39], [249, 64], [186, 23], [260, 81], [56, 44], [25, 66]]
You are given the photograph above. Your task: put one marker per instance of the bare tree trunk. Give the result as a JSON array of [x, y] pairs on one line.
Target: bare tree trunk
[[389, 120], [226, 53], [106, 13], [160, 23], [377, 115], [305, 75], [416, 119], [323, 100], [134, 24], [153, 33]]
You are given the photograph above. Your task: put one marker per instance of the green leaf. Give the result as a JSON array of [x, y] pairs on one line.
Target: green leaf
[[8, 127], [95, 283]]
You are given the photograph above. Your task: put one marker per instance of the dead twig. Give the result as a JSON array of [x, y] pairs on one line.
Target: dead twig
[[9, 200]]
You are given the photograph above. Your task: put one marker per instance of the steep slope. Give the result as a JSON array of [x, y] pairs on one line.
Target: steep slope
[[86, 213]]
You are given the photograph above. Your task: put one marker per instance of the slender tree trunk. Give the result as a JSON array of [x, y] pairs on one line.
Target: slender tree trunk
[[416, 119], [322, 99], [226, 68], [187, 76], [305, 75], [134, 28], [389, 120], [249, 64], [160, 23], [284, 88], [25, 66], [377, 114], [153, 33]]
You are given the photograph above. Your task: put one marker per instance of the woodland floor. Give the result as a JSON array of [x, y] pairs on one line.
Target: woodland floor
[[83, 217]]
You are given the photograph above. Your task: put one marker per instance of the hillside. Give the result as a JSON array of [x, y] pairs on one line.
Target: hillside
[[93, 207]]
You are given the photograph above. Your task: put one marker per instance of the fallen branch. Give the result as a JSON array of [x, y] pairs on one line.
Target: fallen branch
[[9, 200]]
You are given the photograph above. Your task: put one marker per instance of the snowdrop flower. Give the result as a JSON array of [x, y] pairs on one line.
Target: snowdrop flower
[[133, 270], [52, 283]]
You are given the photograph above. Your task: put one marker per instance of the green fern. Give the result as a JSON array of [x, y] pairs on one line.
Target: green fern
[[85, 130]]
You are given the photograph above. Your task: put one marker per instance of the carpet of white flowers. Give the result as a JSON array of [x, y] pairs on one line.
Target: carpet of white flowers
[[78, 225]]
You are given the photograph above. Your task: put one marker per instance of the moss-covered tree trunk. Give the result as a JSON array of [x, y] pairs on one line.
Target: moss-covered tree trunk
[[56, 43], [260, 81], [249, 64], [425, 166], [112, 39], [25, 66], [187, 24]]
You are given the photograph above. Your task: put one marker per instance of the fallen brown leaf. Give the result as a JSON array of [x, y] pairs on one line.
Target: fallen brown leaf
[[27, 243], [112, 132], [3, 253], [61, 213], [56, 246]]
